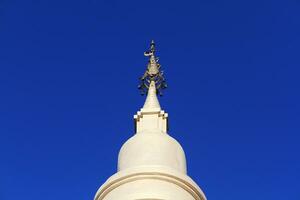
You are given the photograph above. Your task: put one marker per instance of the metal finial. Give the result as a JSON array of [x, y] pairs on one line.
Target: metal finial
[[153, 73]]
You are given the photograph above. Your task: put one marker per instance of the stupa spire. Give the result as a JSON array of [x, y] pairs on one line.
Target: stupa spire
[[151, 103]]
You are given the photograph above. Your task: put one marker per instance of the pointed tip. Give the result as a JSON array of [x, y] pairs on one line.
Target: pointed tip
[[151, 103]]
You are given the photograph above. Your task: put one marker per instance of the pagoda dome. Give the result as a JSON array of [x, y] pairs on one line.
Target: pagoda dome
[[152, 149]]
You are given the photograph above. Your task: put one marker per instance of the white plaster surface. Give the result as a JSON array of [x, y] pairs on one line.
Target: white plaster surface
[[152, 148], [149, 189]]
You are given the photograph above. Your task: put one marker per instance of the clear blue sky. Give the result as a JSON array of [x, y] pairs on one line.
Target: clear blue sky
[[68, 91]]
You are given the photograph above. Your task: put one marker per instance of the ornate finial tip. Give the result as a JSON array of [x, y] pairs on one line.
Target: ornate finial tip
[[153, 73]]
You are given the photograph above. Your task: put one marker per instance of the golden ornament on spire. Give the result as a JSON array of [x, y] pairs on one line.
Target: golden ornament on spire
[[153, 73]]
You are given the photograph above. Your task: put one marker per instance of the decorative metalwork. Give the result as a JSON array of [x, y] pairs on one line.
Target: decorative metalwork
[[153, 73]]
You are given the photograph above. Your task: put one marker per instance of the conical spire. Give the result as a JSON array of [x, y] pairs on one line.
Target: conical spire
[[151, 103]]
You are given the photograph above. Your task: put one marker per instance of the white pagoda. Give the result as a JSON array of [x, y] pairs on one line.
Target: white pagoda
[[151, 164]]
